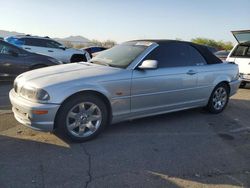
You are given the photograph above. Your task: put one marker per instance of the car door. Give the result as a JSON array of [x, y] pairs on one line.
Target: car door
[[41, 46], [33, 45], [12, 61], [56, 50], [205, 76], [173, 85]]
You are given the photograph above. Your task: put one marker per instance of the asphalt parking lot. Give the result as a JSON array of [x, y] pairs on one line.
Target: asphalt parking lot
[[4, 91], [189, 148]]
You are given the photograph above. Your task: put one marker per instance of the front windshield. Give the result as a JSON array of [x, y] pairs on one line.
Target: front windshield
[[121, 56]]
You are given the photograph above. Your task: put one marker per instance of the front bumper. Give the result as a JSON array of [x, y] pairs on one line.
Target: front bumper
[[245, 77], [234, 86], [23, 112]]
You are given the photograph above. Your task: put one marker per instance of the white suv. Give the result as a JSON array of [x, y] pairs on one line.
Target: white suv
[[241, 55], [49, 47]]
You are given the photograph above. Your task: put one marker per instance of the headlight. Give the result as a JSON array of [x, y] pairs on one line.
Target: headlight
[[34, 93]]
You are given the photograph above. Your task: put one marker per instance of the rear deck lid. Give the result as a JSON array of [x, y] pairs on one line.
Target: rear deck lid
[[242, 36]]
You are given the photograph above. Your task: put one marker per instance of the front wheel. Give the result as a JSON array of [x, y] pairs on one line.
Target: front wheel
[[82, 118], [78, 58], [218, 99]]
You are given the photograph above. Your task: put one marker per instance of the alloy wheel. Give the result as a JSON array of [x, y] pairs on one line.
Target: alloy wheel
[[84, 119], [219, 98]]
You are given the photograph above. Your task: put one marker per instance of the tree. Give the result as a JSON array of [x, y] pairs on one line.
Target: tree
[[220, 45], [108, 43], [95, 42], [79, 46], [68, 44]]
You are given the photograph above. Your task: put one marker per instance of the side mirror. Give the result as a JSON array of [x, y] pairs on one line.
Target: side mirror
[[13, 53], [149, 64]]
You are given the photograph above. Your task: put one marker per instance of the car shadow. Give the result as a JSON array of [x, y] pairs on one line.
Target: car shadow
[[172, 150], [39, 164]]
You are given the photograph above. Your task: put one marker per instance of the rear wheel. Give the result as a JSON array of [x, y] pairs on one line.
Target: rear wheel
[[82, 118], [243, 84], [218, 99]]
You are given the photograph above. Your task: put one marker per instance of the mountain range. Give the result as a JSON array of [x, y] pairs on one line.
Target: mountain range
[[73, 39]]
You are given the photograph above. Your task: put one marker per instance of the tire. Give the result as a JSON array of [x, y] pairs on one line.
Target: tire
[[243, 84], [218, 99], [77, 58], [37, 67], [74, 118]]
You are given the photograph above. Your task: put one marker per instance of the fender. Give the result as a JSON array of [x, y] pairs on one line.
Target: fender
[[221, 78], [69, 90]]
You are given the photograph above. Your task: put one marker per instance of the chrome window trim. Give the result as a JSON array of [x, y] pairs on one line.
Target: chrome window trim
[[138, 60]]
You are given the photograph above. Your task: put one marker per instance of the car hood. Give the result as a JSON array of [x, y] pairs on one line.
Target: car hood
[[66, 73]]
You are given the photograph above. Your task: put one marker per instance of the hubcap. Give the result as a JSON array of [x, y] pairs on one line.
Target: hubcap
[[84, 119], [219, 98]]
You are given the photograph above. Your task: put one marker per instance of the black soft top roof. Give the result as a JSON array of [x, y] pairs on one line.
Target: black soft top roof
[[203, 50], [207, 54]]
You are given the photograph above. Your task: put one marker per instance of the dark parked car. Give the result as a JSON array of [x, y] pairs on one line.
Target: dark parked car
[[14, 61], [94, 49], [222, 54]]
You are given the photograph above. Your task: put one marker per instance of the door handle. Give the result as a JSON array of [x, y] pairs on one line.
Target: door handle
[[191, 72], [27, 48], [50, 51]]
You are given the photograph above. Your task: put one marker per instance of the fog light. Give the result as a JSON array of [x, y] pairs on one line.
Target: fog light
[[40, 112]]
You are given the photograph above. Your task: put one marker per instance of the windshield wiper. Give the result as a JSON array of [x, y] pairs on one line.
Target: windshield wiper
[[105, 64]]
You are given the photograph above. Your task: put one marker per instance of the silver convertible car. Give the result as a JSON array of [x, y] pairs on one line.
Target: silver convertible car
[[129, 81]]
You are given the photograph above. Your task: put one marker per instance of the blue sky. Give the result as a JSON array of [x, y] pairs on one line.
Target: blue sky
[[126, 20]]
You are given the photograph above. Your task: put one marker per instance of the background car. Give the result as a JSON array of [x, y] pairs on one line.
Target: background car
[[222, 54], [131, 80], [14, 61], [212, 49], [94, 49], [241, 55], [49, 47]]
